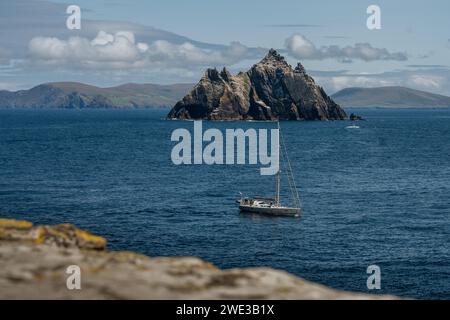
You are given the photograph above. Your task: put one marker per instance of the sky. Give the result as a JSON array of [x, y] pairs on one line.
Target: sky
[[174, 41]]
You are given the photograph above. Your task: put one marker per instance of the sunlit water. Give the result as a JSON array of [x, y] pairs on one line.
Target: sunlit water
[[379, 194]]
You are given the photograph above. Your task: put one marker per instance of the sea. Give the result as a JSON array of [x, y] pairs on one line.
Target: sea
[[374, 195]]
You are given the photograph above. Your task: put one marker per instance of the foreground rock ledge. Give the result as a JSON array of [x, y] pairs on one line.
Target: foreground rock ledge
[[34, 260]]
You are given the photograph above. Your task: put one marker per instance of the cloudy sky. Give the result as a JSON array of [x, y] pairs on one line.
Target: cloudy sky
[[173, 41]]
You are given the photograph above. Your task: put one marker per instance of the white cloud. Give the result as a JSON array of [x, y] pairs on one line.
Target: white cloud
[[164, 51], [302, 48], [336, 83], [425, 81], [102, 39], [120, 50]]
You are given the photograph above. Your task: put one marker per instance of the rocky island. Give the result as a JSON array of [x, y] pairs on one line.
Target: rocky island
[[35, 259], [270, 90]]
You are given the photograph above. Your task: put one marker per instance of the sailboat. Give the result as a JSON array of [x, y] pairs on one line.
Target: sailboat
[[272, 205]]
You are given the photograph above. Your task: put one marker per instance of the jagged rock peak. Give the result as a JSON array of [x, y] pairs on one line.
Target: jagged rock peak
[[274, 58], [212, 74], [299, 68], [225, 74], [274, 55], [270, 90]]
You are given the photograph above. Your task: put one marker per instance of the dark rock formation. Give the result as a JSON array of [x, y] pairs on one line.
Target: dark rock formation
[[270, 90], [35, 259], [355, 117]]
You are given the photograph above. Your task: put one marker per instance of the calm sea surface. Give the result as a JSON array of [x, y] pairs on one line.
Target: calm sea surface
[[375, 195]]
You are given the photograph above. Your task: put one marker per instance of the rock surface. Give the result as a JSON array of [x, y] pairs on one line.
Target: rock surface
[[34, 260], [270, 90], [355, 117]]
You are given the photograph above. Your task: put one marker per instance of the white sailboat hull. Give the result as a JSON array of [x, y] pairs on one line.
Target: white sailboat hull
[[274, 211]]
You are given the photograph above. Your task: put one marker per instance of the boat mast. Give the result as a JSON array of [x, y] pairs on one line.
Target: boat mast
[[277, 199], [290, 174]]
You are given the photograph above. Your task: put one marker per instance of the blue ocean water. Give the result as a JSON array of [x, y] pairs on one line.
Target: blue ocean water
[[375, 195]]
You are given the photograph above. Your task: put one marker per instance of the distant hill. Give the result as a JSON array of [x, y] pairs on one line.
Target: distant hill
[[74, 95], [394, 97]]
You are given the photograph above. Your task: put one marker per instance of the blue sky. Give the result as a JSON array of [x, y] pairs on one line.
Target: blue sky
[[174, 41]]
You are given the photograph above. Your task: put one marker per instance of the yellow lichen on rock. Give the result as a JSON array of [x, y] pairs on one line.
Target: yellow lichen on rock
[[89, 240], [38, 235], [15, 224], [15, 230], [62, 235]]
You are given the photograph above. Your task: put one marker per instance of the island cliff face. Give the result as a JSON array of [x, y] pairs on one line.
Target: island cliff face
[[270, 90]]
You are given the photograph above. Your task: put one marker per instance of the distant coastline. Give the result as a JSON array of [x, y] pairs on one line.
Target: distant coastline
[[398, 107], [390, 97], [75, 95]]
